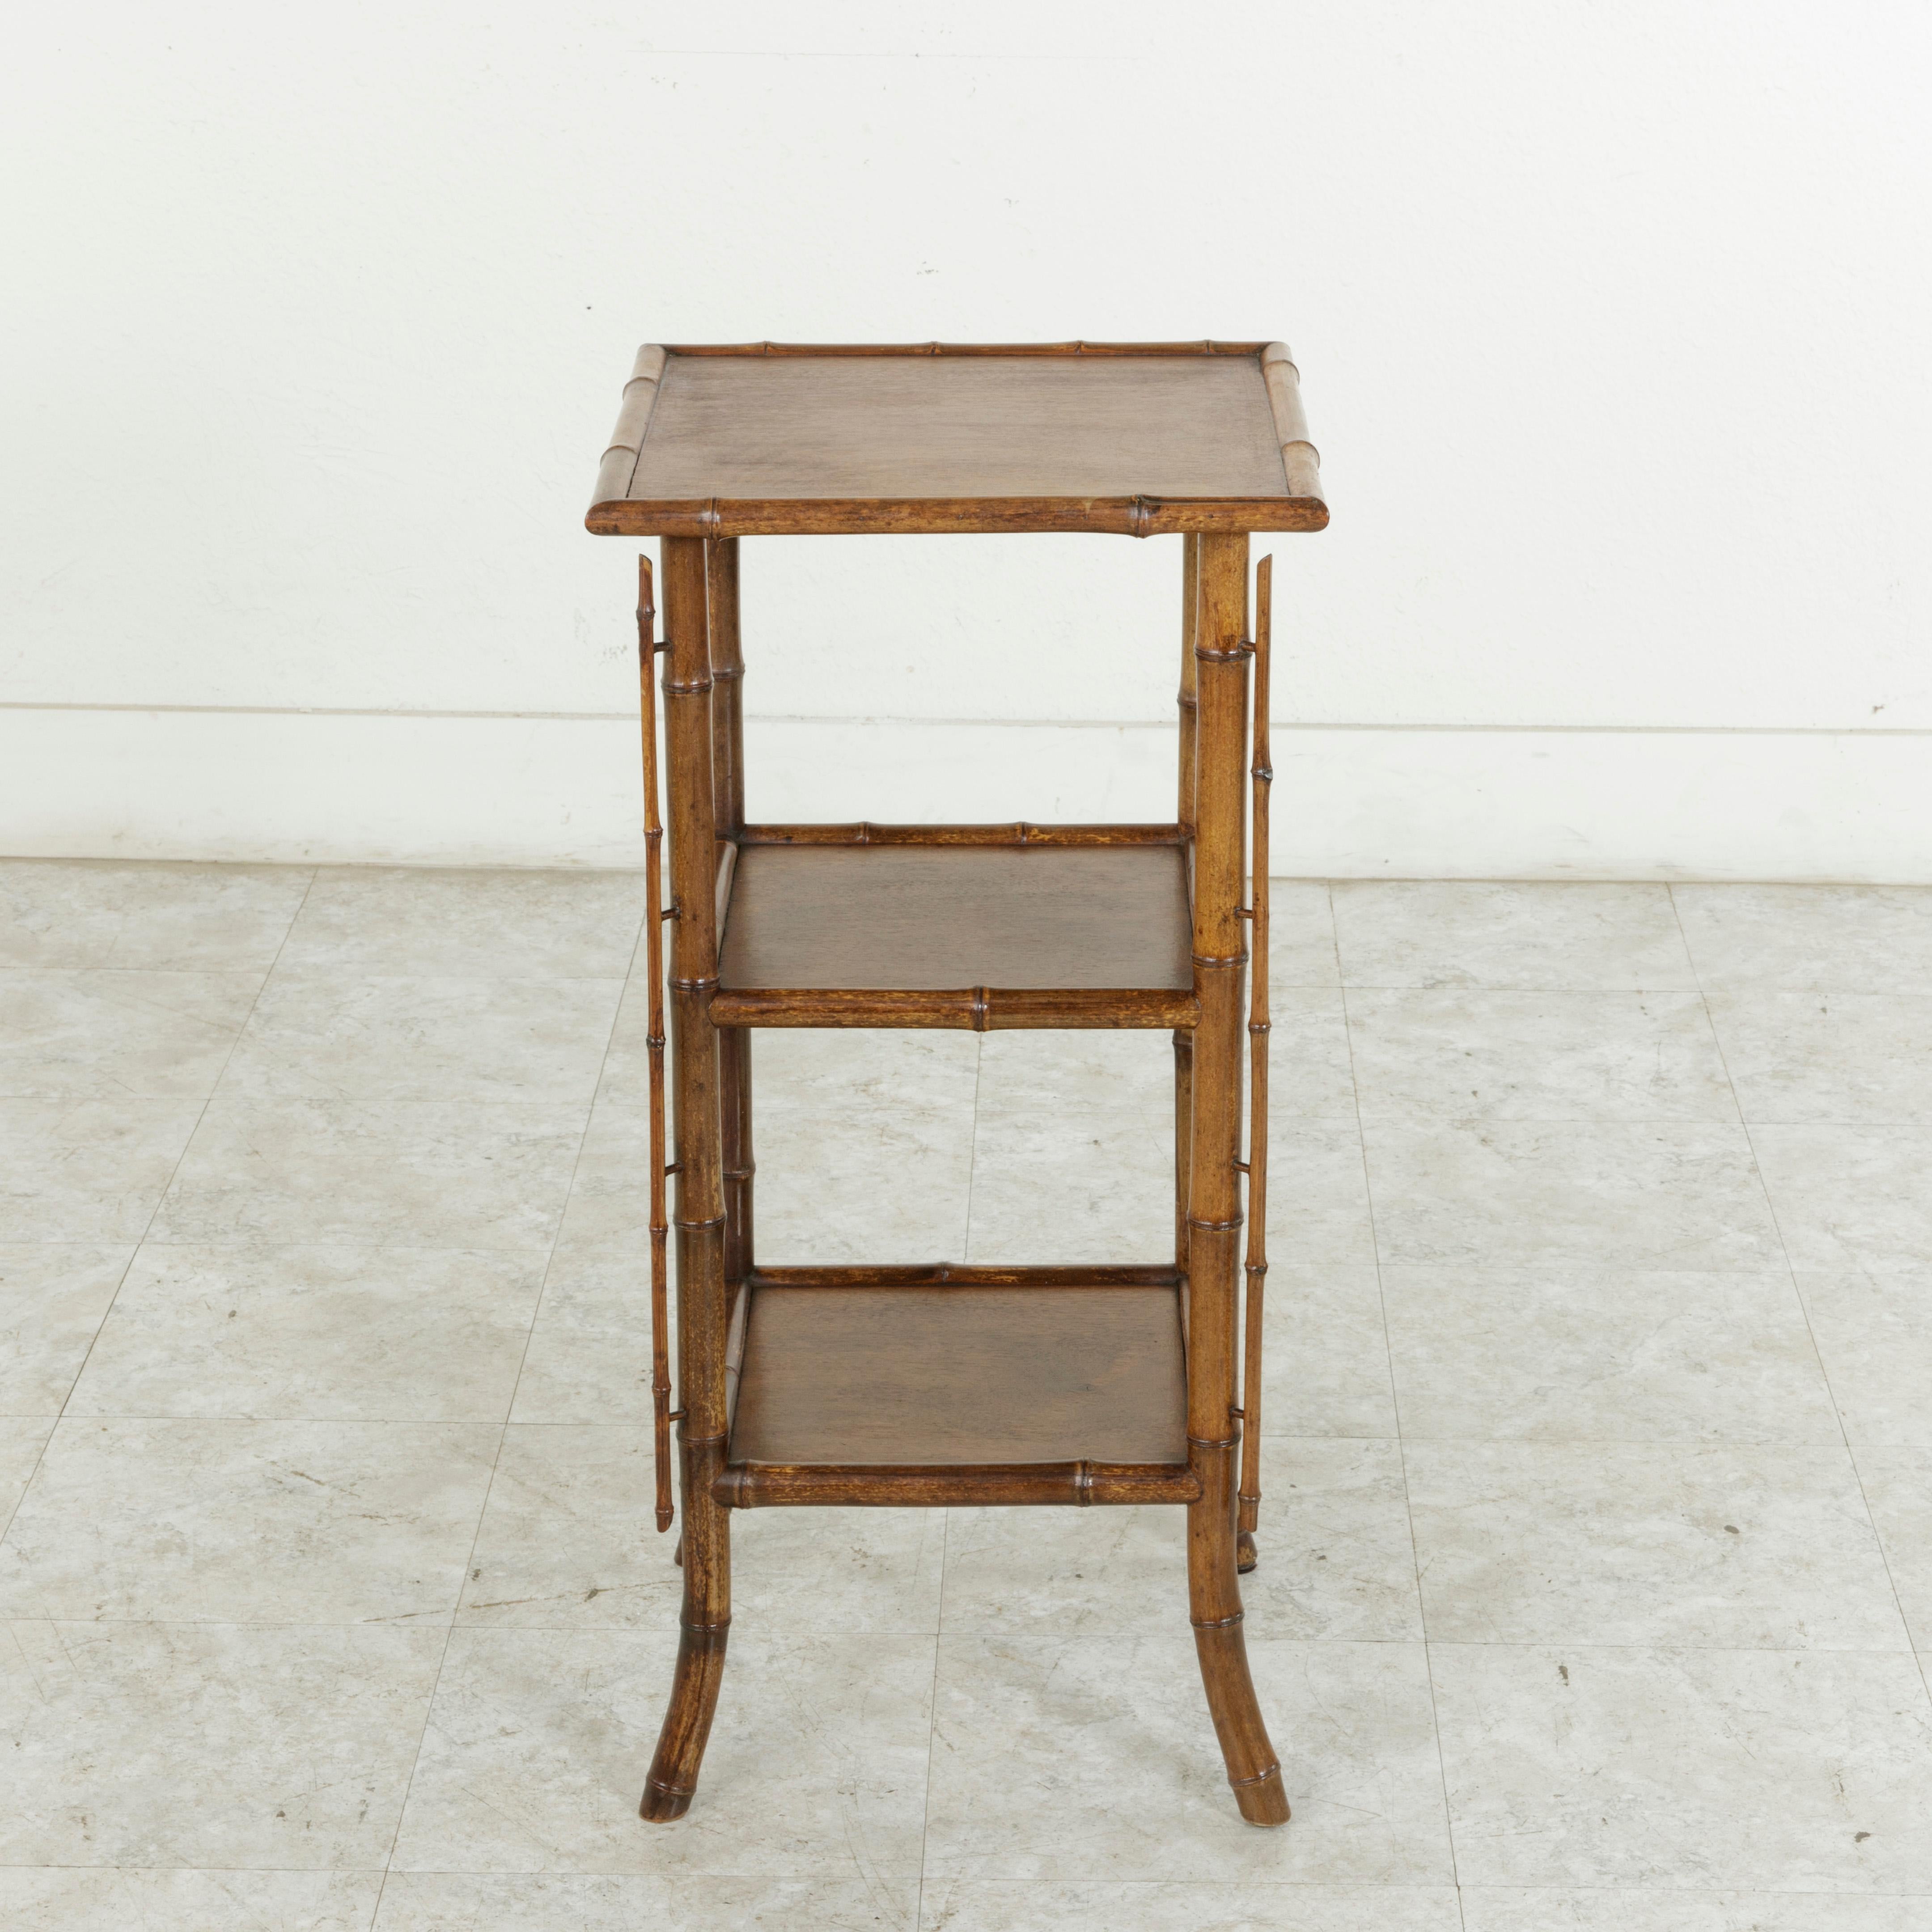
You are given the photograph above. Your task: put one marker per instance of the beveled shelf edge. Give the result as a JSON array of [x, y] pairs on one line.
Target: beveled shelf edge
[[867, 516], [1078, 1484], [966, 1274], [1077, 348], [1018, 832], [962, 1009]]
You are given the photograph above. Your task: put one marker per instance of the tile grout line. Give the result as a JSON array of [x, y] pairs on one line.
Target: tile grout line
[[990, 1634], [1395, 1400], [973, 1147], [503, 1429], [946, 1527], [1797, 1296], [134, 1253], [932, 1727]]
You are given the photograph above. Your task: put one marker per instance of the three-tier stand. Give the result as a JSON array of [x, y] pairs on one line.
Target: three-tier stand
[[951, 1384]]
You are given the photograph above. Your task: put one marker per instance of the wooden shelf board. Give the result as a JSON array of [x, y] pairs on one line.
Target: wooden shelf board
[[1138, 438], [959, 1376], [962, 935]]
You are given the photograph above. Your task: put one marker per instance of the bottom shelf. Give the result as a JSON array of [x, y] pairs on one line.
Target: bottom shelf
[[959, 1385]]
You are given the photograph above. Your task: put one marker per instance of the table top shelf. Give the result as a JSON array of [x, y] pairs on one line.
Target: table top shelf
[[797, 439], [979, 936]]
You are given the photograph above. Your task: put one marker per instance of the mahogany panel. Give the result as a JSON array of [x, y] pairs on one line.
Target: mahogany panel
[[808, 428], [960, 1376], [910, 918]]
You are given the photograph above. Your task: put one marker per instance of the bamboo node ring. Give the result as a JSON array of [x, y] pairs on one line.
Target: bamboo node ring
[[1214, 1227], [1219, 1623]]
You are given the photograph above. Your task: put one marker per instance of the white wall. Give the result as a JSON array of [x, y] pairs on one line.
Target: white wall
[[1611, 321]]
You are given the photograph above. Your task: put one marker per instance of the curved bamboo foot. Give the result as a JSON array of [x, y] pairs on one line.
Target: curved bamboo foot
[[1264, 1801], [673, 1779], [1253, 1771], [1246, 1556]]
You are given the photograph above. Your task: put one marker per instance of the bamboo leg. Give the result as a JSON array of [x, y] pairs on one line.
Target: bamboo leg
[[727, 785], [1184, 1041], [700, 1220], [654, 1043], [1247, 1556], [1214, 1213]]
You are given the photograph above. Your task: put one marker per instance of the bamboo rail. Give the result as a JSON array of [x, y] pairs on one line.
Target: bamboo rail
[[964, 1009], [1256, 1266], [763, 1485], [1301, 460], [654, 1041], [1021, 832], [1103, 348], [967, 1274], [714, 516], [619, 461]]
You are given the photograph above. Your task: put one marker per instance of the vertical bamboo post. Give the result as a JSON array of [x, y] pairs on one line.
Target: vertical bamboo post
[[1183, 1041], [654, 1041], [707, 1615], [1213, 1211], [1260, 771], [727, 784]]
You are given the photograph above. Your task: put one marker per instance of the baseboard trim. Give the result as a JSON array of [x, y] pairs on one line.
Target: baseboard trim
[[1350, 801]]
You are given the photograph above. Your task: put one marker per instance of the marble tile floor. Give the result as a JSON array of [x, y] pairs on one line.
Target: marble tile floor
[[1594, 1590]]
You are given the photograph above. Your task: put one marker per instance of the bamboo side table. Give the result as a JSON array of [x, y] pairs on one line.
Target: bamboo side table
[[948, 1383]]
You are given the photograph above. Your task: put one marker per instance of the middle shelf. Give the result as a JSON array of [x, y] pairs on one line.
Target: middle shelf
[[966, 926]]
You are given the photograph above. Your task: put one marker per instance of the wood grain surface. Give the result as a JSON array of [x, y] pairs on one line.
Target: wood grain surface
[[960, 426], [910, 918], [962, 1376]]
